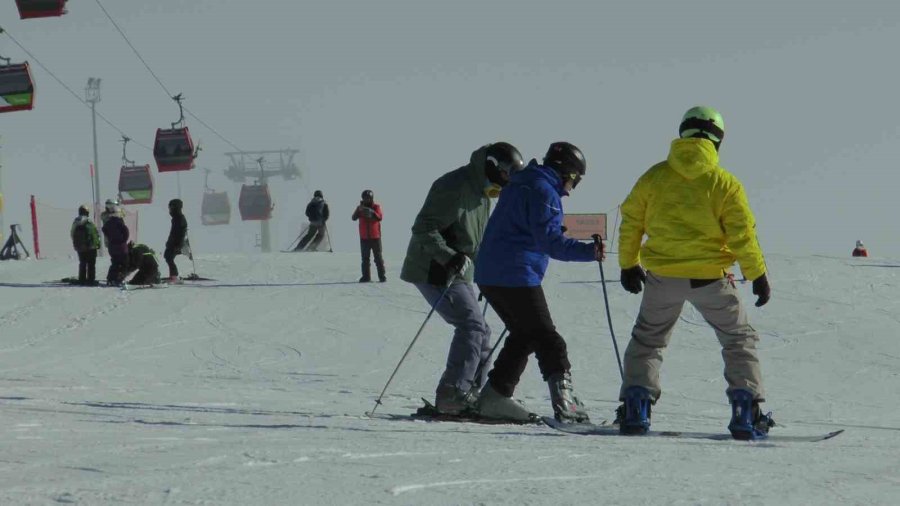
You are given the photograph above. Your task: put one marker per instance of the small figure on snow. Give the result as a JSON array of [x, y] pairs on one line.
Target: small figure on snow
[[523, 233], [143, 259], [698, 222], [86, 241], [177, 237], [369, 215], [317, 213], [860, 250], [445, 238], [116, 234]]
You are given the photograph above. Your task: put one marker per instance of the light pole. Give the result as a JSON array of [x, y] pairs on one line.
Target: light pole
[[92, 96]]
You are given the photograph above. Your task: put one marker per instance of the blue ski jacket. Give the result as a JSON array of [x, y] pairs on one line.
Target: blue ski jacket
[[525, 231]]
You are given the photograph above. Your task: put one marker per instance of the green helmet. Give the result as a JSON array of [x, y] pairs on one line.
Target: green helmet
[[703, 122]]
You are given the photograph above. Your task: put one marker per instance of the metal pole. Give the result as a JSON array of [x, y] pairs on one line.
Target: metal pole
[[92, 94]]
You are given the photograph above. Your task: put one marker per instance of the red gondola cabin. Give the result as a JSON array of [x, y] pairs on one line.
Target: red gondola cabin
[[173, 149], [255, 202], [16, 87], [41, 8], [136, 184]]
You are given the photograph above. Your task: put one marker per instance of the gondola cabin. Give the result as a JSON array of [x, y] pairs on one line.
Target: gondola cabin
[[136, 184], [41, 8], [215, 208], [173, 149], [16, 87], [255, 202]]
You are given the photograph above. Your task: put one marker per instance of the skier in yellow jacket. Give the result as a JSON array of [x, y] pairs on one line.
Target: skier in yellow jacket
[[698, 222]]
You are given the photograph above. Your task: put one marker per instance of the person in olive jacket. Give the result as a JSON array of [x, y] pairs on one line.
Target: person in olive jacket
[[445, 239]]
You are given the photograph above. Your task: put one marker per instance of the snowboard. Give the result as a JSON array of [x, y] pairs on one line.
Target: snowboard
[[589, 429]]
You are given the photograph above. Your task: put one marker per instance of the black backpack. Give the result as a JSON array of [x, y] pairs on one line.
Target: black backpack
[[81, 238]]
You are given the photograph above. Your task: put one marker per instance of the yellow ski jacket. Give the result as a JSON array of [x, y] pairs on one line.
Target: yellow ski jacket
[[695, 215]]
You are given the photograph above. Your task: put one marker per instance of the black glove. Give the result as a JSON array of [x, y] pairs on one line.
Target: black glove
[[761, 290], [458, 264], [633, 278]]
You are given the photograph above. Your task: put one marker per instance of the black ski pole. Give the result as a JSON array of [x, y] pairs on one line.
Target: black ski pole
[[487, 360], [608, 315], [408, 348]]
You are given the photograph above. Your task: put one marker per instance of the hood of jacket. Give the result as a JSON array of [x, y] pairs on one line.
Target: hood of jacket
[[691, 158]]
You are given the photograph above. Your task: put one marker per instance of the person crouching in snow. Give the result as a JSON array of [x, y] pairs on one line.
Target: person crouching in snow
[[860, 250], [143, 259]]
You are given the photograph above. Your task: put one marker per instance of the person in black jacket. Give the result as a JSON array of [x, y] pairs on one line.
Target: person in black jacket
[[317, 213], [142, 259], [116, 233], [177, 236]]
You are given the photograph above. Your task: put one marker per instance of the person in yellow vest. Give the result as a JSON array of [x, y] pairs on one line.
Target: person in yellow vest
[[697, 222]]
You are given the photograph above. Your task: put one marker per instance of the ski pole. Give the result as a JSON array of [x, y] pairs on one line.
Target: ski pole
[[408, 348], [487, 359], [328, 236], [608, 315]]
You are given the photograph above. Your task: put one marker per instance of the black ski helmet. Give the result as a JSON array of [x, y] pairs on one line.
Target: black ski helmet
[[503, 160], [84, 210], [176, 204], [368, 195], [318, 193], [565, 158]]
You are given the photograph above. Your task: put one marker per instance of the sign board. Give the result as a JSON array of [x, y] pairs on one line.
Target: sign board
[[584, 226]]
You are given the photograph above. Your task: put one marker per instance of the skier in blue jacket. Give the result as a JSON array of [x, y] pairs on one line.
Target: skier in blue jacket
[[523, 233]]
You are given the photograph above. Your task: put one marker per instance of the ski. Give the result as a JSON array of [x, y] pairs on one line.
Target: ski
[[429, 413], [589, 429], [127, 288]]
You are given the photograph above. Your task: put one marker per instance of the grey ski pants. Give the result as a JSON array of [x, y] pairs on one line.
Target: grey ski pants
[[471, 338], [720, 306]]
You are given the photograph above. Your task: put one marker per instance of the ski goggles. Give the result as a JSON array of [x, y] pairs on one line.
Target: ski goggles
[[574, 177]]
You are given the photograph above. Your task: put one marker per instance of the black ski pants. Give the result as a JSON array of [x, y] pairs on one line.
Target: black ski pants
[[368, 248], [315, 233], [526, 315], [118, 268], [169, 255], [87, 265]]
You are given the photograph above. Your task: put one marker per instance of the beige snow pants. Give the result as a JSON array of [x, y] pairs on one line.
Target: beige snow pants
[[720, 306]]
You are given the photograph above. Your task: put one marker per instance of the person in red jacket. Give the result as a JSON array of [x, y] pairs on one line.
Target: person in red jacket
[[860, 250], [368, 213]]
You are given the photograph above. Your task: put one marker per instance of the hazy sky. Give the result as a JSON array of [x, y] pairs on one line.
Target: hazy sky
[[389, 95]]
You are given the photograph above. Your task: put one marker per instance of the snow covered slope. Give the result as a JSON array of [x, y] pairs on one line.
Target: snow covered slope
[[251, 390]]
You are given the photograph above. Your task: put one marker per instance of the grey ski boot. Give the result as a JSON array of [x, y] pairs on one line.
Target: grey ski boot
[[493, 404], [450, 400], [566, 405]]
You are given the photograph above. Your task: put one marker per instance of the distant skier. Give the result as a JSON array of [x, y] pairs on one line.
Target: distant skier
[[445, 238], [143, 259], [86, 241], [524, 232], [177, 236], [369, 215], [860, 250], [697, 221], [116, 234], [317, 213]]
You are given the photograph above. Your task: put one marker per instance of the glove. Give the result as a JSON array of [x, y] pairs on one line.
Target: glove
[[761, 290], [458, 265], [633, 278], [599, 249]]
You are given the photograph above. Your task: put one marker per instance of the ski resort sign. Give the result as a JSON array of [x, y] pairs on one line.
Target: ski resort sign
[[584, 226]]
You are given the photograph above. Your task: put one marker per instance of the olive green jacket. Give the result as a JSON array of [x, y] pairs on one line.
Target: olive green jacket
[[452, 220]]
